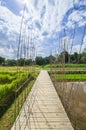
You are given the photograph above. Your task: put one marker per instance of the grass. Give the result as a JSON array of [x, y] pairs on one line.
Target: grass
[[6, 77], [70, 65], [70, 68], [46, 67], [67, 67], [8, 83], [8, 118], [12, 82], [15, 68], [69, 77]]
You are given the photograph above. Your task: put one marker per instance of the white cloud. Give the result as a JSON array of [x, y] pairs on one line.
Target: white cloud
[[76, 48], [43, 18], [77, 17], [53, 15], [84, 39], [9, 28], [63, 7], [7, 52], [10, 20]]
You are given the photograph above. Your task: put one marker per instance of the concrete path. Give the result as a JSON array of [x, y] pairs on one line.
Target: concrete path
[[43, 109]]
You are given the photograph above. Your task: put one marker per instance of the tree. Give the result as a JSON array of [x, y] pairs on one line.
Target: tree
[[45, 60], [63, 57], [52, 58], [66, 56], [39, 60], [76, 57], [2, 61], [21, 62], [28, 62], [11, 62], [83, 58]]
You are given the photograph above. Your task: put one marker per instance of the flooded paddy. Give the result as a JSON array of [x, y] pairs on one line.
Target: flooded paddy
[[73, 97]]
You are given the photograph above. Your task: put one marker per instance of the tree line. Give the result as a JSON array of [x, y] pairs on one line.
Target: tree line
[[72, 58], [62, 57], [22, 61]]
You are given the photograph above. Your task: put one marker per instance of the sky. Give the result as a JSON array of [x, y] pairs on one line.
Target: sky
[[50, 23]]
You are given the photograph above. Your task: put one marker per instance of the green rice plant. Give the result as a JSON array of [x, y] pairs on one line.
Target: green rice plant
[[8, 119], [9, 84], [69, 65], [6, 78], [4, 89], [69, 77]]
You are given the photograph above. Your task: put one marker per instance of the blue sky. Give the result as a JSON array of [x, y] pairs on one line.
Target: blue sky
[[47, 20]]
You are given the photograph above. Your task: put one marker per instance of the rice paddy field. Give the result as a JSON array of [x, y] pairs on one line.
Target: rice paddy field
[[69, 81], [67, 67], [11, 78], [14, 81], [70, 84]]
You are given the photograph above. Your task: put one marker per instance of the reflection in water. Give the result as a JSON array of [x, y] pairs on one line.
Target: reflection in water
[[73, 97]]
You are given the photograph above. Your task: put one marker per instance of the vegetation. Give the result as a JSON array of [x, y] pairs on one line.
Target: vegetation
[[69, 77], [45, 60], [69, 65], [70, 82], [72, 58], [2, 61], [14, 81], [69, 58], [11, 83], [8, 118], [8, 83]]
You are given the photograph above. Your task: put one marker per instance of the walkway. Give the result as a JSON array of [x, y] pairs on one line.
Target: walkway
[[43, 109]]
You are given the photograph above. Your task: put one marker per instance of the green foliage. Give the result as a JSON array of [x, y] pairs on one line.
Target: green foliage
[[10, 82], [7, 120], [83, 58], [47, 67], [69, 77], [23, 61], [6, 78], [71, 65], [44, 60], [2, 61], [39, 61], [11, 62], [63, 57]]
